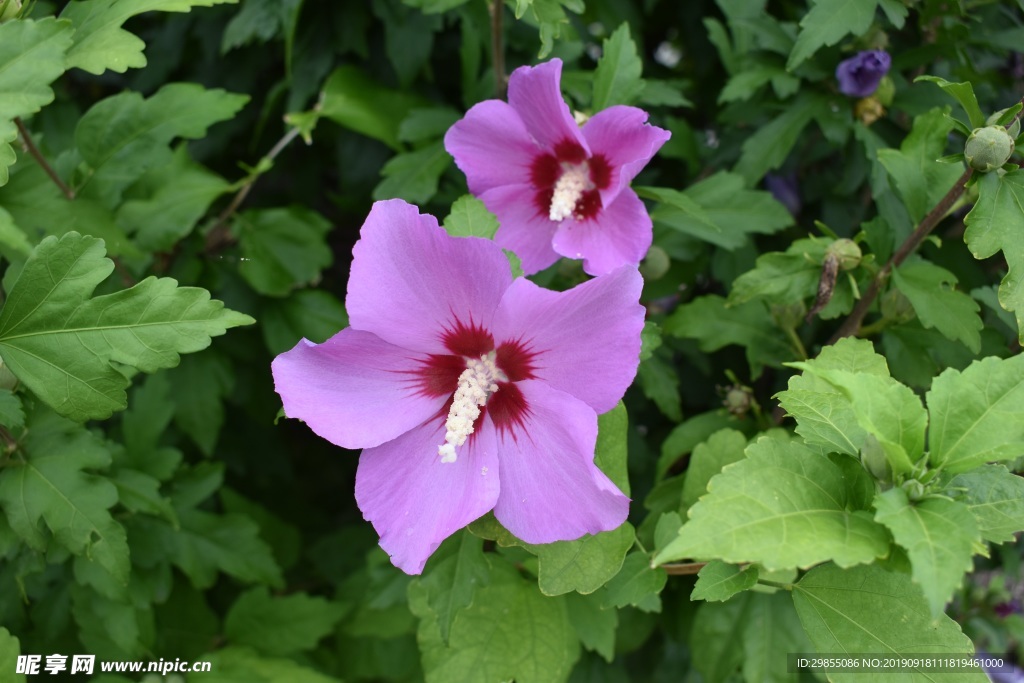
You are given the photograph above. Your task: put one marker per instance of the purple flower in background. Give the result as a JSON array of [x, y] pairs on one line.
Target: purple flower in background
[[558, 189], [860, 75], [785, 189], [468, 390]]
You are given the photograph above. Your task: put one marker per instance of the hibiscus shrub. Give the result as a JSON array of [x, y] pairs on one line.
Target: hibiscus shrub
[[710, 359]]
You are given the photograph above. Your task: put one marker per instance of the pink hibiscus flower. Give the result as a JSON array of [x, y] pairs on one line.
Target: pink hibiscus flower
[[468, 391], [558, 189]]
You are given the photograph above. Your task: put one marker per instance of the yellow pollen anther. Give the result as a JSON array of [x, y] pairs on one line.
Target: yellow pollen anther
[[476, 384]]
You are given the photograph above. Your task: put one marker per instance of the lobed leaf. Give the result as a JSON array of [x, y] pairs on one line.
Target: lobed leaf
[[930, 289], [617, 76], [279, 625], [718, 581], [828, 22], [995, 496]]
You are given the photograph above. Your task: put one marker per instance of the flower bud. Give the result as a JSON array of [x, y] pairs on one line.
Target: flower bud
[[988, 148], [872, 456], [868, 110], [846, 251], [9, 9], [655, 264], [738, 400], [1013, 130]]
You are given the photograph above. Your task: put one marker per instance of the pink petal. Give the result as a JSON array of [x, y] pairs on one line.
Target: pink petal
[[551, 490], [410, 282], [535, 93], [355, 389], [524, 231], [621, 135], [415, 501], [619, 234], [585, 341], [491, 146]]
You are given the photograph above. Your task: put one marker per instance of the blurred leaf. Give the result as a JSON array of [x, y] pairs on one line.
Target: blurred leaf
[[426, 124], [435, 6], [470, 218], [63, 345], [719, 581], [257, 21], [995, 496], [413, 176], [782, 278], [939, 535], [140, 492], [101, 43], [867, 609], [279, 625], [716, 636], [594, 626], [962, 93], [312, 314], [828, 22], [617, 76], [660, 383], [770, 145], [282, 248], [233, 664], [10, 649], [931, 290], [783, 506], [771, 630], [200, 384], [353, 99], [12, 415]]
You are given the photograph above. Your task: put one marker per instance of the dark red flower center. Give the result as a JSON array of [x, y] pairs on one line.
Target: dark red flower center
[[568, 183]]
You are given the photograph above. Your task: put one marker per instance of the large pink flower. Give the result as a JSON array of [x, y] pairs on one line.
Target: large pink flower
[[468, 390], [558, 188]]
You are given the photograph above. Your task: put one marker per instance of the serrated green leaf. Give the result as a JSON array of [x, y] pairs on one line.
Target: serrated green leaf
[[353, 99], [50, 487], [10, 649], [718, 581], [199, 385], [279, 625], [715, 325], [452, 583], [828, 22], [920, 179], [31, 57], [867, 609], [282, 248], [784, 278], [931, 291], [168, 201], [583, 565], [659, 381], [995, 496], [939, 535], [708, 459], [770, 145], [595, 626], [995, 223], [617, 76], [140, 492], [149, 413], [14, 245], [63, 344], [742, 86], [413, 176], [510, 631], [101, 43], [111, 628], [12, 415], [784, 506], [470, 218], [312, 314], [977, 415], [637, 584], [771, 630], [715, 637], [123, 135], [962, 93], [232, 664], [685, 437], [256, 21]]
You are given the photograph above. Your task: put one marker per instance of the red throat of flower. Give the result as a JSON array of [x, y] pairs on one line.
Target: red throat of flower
[[568, 183]]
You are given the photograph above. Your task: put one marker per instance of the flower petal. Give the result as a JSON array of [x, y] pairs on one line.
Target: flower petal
[[415, 501], [585, 341], [410, 281], [619, 234], [524, 231], [551, 490], [621, 135], [535, 93], [355, 389], [491, 146]]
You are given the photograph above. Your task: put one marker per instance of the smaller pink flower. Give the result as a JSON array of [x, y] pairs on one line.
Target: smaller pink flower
[[558, 189], [468, 391]]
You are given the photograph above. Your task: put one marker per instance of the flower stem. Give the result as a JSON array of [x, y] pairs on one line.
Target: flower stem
[[683, 568], [498, 48], [26, 139], [852, 324]]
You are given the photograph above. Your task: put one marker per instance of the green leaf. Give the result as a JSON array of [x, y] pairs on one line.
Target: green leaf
[[637, 584], [14, 245], [168, 201], [279, 625], [427, 124], [452, 583], [101, 43], [149, 413], [686, 436], [594, 626], [312, 314], [715, 325], [867, 609], [784, 506], [435, 6], [939, 535], [583, 565], [719, 210], [977, 415], [10, 649], [200, 384], [232, 664], [785, 278], [770, 145], [282, 248], [742, 86], [50, 487], [708, 459], [938, 304], [256, 21], [12, 415], [355, 100], [828, 22], [63, 345], [995, 496], [123, 135], [659, 381], [920, 179], [718, 581], [510, 631], [617, 76], [715, 639], [31, 57], [470, 218], [995, 223], [140, 492], [611, 452], [771, 630], [962, 93], [413, 176]]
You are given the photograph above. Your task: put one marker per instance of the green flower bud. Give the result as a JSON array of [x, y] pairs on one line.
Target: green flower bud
[[1013, 130], [872, 456], [738, 400], [988, 148], [847, 252], [655, 264], [9, 9]]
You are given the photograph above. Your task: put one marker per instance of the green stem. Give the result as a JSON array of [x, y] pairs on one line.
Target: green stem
[[794, 341], [26, 138], [498, 48], [776, 584]]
